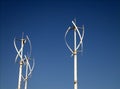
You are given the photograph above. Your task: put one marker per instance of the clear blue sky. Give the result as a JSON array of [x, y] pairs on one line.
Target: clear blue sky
[[45, 22]]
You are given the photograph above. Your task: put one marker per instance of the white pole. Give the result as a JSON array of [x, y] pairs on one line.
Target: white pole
[[26, 77], [20, 73], [21, 62], [75, 61]]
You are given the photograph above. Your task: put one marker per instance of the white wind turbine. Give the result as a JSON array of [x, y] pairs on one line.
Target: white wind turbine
[[23, 60], [76, 47]]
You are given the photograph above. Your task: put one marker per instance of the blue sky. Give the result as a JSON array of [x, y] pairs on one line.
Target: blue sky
[[45, 22]]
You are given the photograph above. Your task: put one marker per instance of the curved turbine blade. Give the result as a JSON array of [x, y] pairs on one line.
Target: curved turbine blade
[[23, 77], [31, 69], [66, 41], [33, 65], [30, 45], [17, 51], [76, 27], [78, 34], [83, 31], [81, 37]]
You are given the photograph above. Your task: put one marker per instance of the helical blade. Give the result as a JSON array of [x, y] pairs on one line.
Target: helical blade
[[83, 32], [27, 64], [17, 51], [76, 27], [23, 77], [26, 60], [30, 45], [33, 64], [31, 69], [82, 47], [78, 34], [81, 37], [66, 41], [75, 20]]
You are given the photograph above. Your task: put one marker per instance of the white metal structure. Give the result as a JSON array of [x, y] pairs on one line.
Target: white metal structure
[[76, 47], [23, 60]]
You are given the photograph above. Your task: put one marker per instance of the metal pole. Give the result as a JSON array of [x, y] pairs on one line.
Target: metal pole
[[26, 77], [75, 61], [20, 73], [21, 62]]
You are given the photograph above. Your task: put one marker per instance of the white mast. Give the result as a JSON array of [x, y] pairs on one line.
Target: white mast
[[21, 63], [75, 61], [26, 76], [75, 50]]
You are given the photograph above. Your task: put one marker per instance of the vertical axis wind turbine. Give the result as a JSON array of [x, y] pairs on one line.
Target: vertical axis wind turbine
[[23, 60], [29, 69], [76, 47]]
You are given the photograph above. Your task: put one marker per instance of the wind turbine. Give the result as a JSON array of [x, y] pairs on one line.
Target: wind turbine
[[76, 47], [23, 60], [29, 69], [28, 72]]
